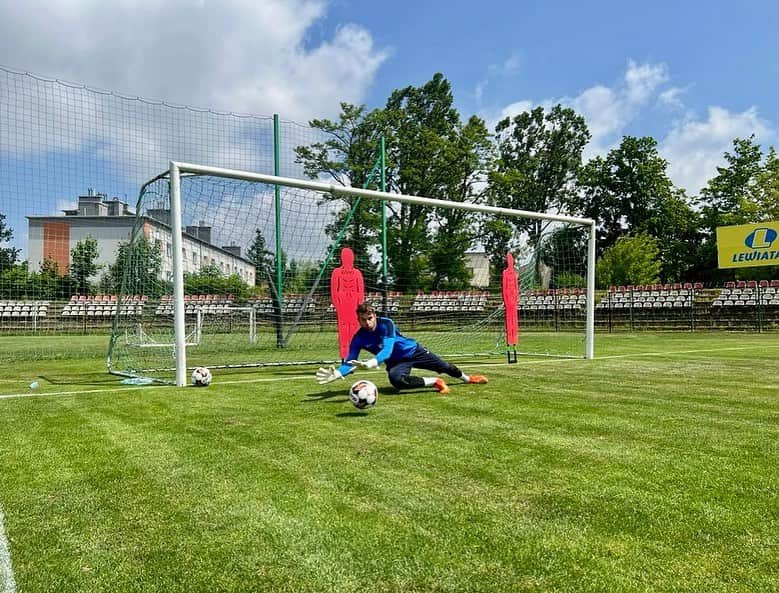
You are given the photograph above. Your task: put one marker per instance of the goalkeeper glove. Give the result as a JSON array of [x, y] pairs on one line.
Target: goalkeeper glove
[[324, 375], [368, 364]]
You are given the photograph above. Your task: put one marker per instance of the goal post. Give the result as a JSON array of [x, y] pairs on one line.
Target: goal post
[[295, 323]]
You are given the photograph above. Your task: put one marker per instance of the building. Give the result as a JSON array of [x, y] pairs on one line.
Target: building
[[110, 222], [479, 265]]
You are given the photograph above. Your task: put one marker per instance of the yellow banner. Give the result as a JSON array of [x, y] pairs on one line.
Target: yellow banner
[[748, 245]]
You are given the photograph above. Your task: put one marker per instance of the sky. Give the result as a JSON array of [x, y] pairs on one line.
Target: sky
[[692, 74]]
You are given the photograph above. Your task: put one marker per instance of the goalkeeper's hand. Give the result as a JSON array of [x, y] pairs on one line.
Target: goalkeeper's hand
[[324, 375], [368, 364]]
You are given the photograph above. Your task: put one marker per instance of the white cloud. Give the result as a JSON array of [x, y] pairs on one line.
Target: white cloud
[[506, 69], [512, 110], [695, 148], [642, 80], [607, 110], [235, 55], [672, 97]]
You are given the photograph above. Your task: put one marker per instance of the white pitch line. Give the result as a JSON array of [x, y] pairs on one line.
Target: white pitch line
[[698, 351], [7, 583], [139, 387]]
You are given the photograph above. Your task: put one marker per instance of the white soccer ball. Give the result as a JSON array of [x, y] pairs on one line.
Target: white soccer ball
[[201, 377], [363, 394]]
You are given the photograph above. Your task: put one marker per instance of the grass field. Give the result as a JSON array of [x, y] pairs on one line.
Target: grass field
[[651, 468]]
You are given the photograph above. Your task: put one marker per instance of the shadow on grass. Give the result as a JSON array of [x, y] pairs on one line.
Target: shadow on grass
[[353, 414], [80, 379], [326, 395]]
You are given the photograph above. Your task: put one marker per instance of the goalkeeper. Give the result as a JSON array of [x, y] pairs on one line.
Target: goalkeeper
[[380, 337]]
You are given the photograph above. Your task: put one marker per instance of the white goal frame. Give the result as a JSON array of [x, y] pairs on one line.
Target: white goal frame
[[179, 168]]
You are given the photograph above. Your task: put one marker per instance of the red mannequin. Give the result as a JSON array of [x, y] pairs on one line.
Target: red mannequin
[[510, 301], [346, 291]]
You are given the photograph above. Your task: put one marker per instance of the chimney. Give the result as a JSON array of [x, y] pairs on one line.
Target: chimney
[[201, 232]]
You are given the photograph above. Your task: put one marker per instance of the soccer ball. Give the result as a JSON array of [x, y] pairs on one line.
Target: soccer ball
[[201, 377], [363, 394]]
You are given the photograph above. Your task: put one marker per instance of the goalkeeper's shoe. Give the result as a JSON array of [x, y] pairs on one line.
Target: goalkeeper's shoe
[[478, 379], [441, 386]]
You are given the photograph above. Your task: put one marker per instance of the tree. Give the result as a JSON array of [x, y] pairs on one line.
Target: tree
[[676, 226], [565, 252], [137, 268], [431, 153], [633, 259], [348, 156], [83, 264], [8, 255], [538, 157], [15, 281], [761, 202], [723, 199], [629, 192], [455, 230], [210, 280], [497, 241], [259, 255]]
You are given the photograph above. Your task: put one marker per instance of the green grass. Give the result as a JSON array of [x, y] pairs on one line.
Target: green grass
[[651, 468]]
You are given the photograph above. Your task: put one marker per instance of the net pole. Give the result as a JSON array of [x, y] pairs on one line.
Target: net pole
[[279, 262], [383, 187], [179, 328], [589, 343]]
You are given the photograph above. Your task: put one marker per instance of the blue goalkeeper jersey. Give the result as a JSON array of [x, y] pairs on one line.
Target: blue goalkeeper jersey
[[385, 342]]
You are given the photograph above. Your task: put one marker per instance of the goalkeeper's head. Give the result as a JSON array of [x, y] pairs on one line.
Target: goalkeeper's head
[[366, 315]]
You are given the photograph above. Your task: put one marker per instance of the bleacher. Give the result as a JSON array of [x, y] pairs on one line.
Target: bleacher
[[450, 301], [19, 310], [103, 305], [572, 299], [748, 293], [293, 303], [376, 299], [651, 296], [211, 304]]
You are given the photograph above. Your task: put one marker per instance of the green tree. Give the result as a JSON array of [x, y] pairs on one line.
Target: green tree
[[83, 258], [539, 154], [48, 283], [629, 192], [259, 255], [761, 202], [15, 281], [565, 252], [347, 156], [455, 230], [211, 280], [676, 226], [8, 255], [633, 259], [497, 242], [431, 153], [723, 199], [137, 268]]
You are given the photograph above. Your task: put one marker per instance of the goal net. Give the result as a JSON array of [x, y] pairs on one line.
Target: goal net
[[237, 268]]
